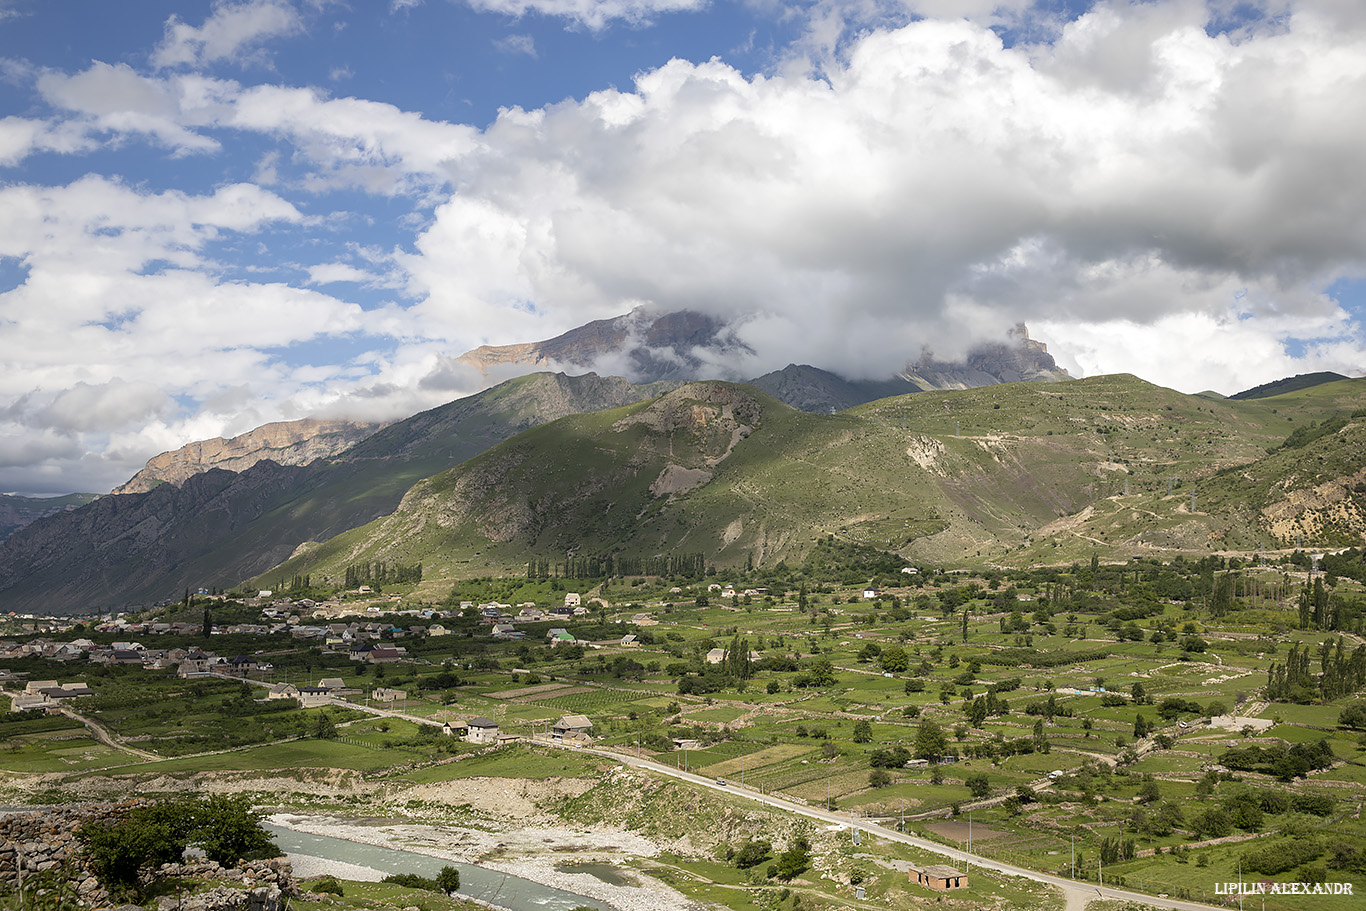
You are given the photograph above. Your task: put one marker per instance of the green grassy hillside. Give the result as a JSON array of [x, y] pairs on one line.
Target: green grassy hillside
[[1010, 474]]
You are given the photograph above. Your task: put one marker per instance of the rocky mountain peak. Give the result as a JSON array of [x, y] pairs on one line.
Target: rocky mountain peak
[[285, 443]]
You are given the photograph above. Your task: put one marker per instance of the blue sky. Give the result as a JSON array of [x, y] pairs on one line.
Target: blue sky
[[219, 214]]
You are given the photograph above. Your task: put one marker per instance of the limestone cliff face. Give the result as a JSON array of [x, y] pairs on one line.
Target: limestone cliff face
[[651, 346], [1020, 359], [285, 443]]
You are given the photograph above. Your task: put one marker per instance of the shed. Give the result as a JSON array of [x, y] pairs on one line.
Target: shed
[[939, 877]]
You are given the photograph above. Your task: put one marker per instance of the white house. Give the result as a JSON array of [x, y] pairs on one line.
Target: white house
[[481, 730]]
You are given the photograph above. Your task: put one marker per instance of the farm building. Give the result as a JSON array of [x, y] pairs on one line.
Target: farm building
[[939, 877]]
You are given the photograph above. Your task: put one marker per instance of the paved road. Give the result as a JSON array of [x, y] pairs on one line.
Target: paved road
[[1077, 894]]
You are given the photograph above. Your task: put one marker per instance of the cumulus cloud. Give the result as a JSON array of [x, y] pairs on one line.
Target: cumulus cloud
[[118, 100], [21, 137], [1150, 188], [329, 273], [932, 185], [233, 32], [348, 141], [353, 141], [95, 342], [104, 406]]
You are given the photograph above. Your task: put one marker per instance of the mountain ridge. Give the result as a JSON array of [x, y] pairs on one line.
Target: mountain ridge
[[143, 547], [1010, 474], [284, 442], [17, 511], [664, 346]]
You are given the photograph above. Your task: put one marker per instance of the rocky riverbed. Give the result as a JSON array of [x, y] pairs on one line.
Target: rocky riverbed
[[531, 852]]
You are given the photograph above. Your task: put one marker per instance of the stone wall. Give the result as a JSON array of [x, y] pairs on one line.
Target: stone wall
[[43, 841]]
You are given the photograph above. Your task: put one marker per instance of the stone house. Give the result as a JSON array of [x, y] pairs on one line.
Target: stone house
[[939, 877]]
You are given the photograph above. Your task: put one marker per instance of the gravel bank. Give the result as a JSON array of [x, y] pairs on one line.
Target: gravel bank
[[531, 853]]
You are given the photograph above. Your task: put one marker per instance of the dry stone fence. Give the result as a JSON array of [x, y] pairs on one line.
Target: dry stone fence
[[41, 845]]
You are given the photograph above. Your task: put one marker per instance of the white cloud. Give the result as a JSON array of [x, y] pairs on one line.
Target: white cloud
[[1150, 194], [232, 32], [593, 14], [96, 342], [105, 406], [329, 273], [366, 143], [21, 137], [119, 100], [1186, 350], [517, 44], [347, 141], [933, 185]]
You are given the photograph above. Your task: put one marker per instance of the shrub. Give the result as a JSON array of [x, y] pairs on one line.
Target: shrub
[[1282, 856], [753, 853], [328, 884]]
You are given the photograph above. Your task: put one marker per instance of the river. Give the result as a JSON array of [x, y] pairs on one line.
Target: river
[[501, 889]]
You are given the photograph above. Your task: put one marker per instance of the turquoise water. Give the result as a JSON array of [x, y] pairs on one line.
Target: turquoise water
[[502, 889]]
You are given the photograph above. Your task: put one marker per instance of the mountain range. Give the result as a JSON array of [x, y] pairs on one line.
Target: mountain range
[[1011, 474], [220, 526], [549, 464]]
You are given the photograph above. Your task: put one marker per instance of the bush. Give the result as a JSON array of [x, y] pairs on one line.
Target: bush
[[445, 882], [448, 878], [753, 853], [144, 837], [794, 861], [1282, 856], [1313, 804], [326, 884], [1213, 823]]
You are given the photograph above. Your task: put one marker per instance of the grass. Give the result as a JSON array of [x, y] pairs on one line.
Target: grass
[[64, 751], [515, 762], [298, 754], [375, 896]]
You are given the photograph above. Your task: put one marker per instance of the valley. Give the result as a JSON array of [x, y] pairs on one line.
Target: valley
[[1092, 720]]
